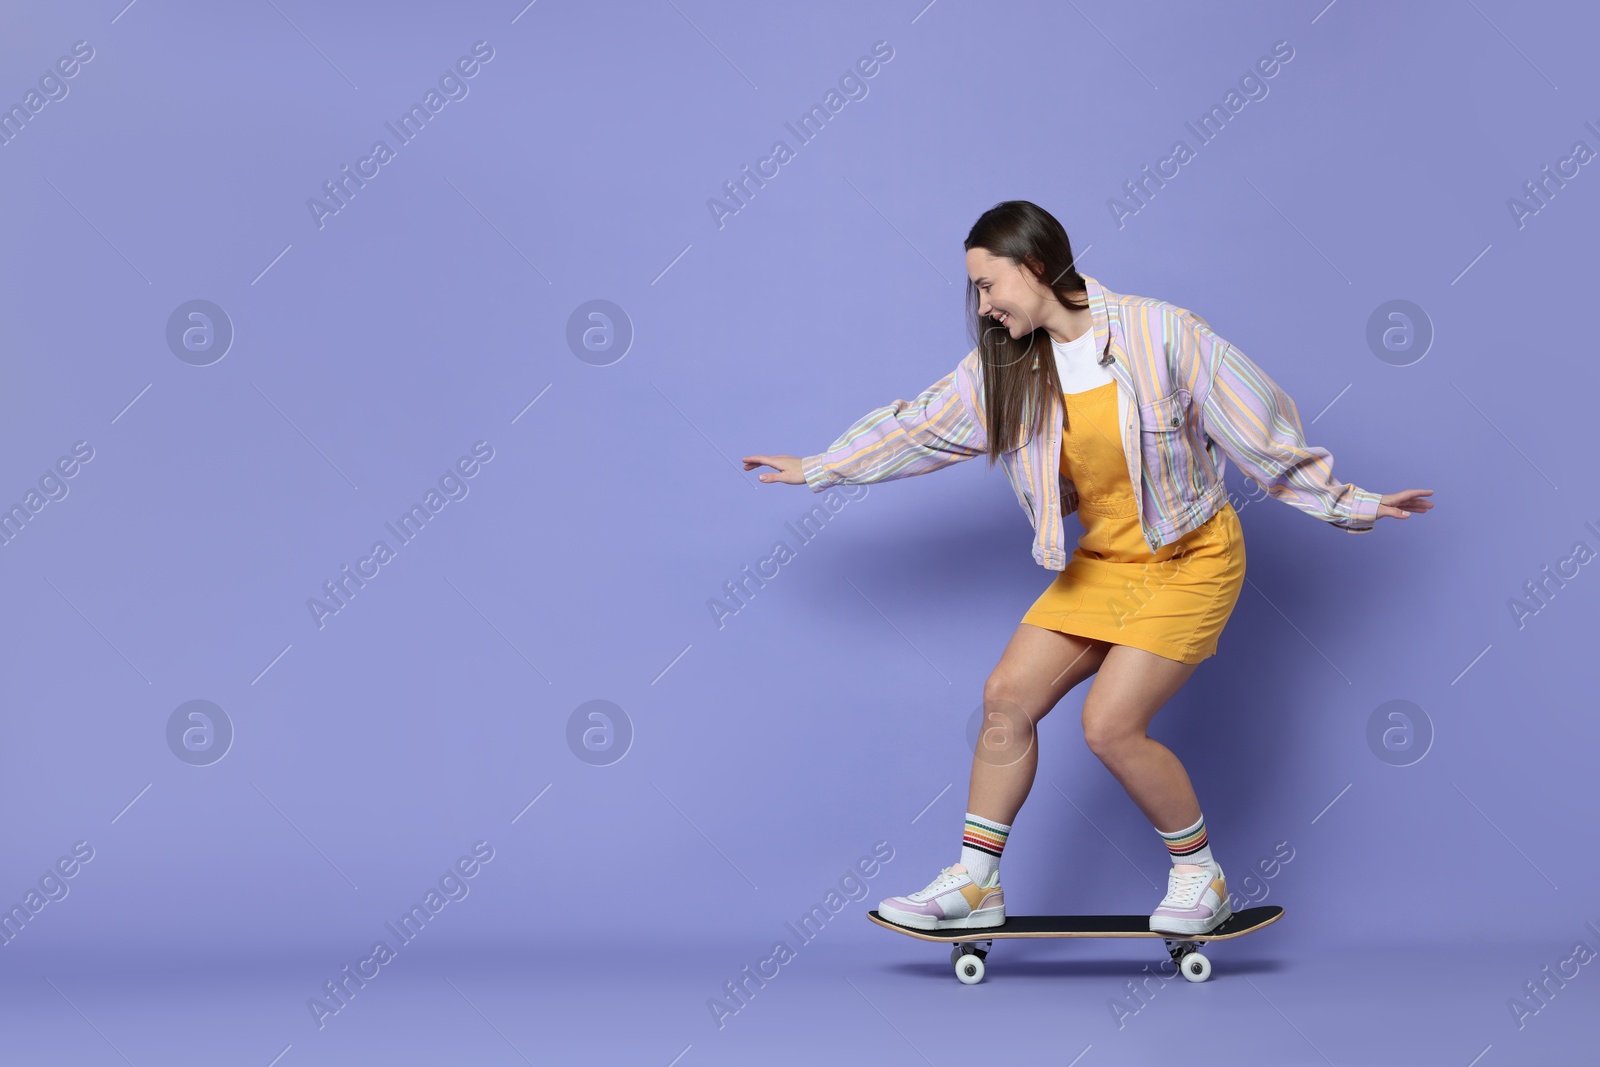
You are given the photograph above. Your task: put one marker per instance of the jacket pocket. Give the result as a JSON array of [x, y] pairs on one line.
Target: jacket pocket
[[1165, 415], [1164, 441]]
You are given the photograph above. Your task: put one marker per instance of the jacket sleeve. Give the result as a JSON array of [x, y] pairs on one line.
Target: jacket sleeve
[[941, 427], [1256, 425]]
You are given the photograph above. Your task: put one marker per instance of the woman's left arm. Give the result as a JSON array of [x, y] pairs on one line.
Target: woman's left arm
[[1257, 425]]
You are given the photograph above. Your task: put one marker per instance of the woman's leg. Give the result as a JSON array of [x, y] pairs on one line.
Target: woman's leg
[[1131, 686], [1036, 670]]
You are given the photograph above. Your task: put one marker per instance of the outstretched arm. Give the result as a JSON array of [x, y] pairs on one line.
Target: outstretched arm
[[1256, 425], [941, 427]]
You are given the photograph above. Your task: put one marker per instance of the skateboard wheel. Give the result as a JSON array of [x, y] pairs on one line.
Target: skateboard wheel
[[1195, 966], [969, 968]]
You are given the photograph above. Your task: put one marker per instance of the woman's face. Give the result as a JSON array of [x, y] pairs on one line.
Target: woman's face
[[1006, 293]]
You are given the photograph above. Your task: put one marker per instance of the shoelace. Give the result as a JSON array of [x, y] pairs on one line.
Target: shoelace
[[946, 878], [1186, 888]]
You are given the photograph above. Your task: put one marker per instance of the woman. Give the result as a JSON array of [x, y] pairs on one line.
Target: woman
[[1126, 419]]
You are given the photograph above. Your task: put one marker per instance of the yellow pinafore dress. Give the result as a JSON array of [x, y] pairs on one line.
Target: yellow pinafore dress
[[1173, 601]]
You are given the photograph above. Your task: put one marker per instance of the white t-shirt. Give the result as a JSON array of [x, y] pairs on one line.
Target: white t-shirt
[[1078, 364]]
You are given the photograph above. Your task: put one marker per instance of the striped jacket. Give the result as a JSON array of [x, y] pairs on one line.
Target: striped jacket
[[1186, 399]]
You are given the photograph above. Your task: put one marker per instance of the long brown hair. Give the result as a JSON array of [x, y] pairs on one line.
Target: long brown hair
[[1015, 376]]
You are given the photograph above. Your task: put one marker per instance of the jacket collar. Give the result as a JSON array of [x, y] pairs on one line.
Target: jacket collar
[[1102, 312], [1106, 311]]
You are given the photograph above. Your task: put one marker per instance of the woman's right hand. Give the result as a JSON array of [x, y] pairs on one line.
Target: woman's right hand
[[788, 468]]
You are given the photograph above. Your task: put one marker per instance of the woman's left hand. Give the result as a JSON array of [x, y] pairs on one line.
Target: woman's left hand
[[1400, 505]]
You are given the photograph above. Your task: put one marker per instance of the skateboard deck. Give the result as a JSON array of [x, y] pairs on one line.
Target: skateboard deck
[[973, 943]]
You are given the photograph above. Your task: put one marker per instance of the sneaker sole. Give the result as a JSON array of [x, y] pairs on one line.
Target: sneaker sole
[[1192, 926], [981, 917]]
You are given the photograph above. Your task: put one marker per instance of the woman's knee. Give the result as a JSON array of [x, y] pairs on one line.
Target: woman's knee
[[1007, 731], [1003, 696], [1105, 732]]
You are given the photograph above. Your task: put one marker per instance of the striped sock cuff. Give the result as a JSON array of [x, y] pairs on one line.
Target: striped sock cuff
[[1188, 840], [985, 835]]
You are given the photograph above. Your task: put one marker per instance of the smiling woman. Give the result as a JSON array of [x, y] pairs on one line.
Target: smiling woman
[[1119, 408], [1017, 301]]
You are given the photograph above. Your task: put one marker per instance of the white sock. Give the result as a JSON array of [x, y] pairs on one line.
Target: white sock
[[982, 841], [1189, 845]]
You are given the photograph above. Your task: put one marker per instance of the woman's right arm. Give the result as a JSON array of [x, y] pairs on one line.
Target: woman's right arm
[[941, 427]]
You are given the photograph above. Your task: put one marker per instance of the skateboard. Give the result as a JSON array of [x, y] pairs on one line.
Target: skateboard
[[972, 944]]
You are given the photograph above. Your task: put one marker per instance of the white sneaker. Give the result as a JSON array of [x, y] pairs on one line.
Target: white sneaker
[[1196, 901], [951, 901]]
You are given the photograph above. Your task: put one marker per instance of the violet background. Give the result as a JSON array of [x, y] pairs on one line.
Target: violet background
[[770, 752]]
